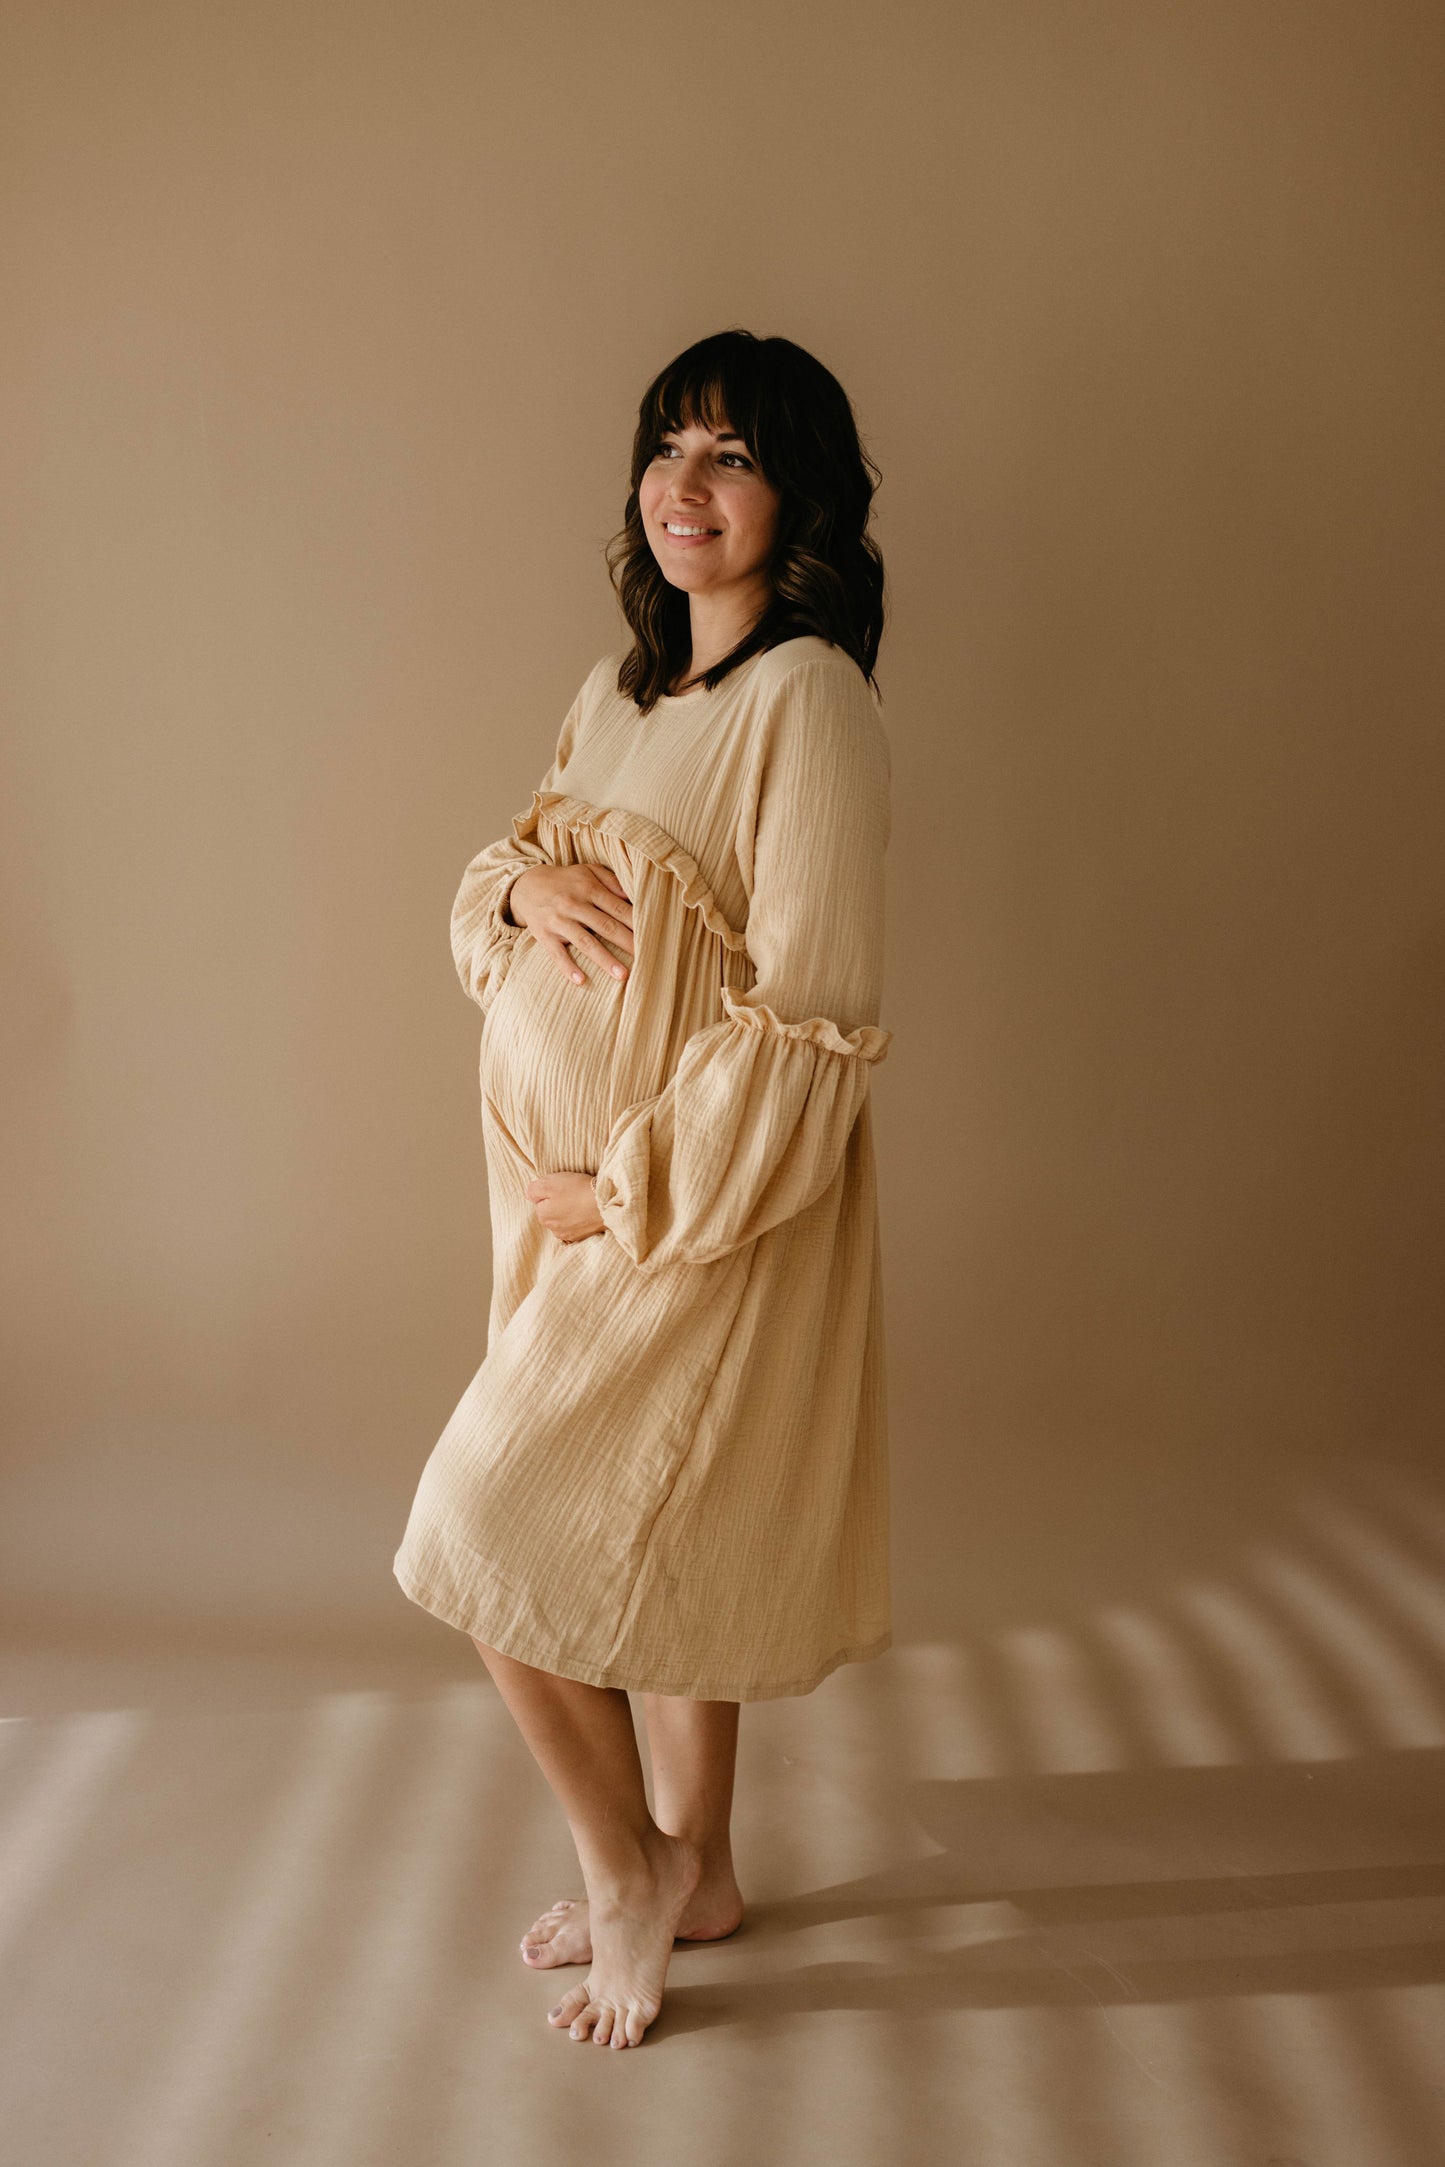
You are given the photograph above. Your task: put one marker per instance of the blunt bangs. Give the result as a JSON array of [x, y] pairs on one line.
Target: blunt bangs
[[714, 391]]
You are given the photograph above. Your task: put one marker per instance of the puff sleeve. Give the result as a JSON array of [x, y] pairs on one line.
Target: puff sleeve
[[753, 1124], [483, 936]]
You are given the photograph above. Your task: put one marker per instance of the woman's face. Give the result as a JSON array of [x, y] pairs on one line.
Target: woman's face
[[699, 479]]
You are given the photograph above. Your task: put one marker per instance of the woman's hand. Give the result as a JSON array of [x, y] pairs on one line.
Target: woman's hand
[[559, 904], [566, 1204]]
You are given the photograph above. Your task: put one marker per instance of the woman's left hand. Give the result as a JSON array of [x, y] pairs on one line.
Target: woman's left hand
[[566, 1204]]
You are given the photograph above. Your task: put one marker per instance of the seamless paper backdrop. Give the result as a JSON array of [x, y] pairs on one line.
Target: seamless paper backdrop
[[325, 333]]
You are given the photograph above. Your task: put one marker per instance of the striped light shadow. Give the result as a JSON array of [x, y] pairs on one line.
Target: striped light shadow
[[1218, 2052], [837, 2105], [800, 1753], [497, 2098], [1119, 1692], [946, 1715], [1259, 1578], [993, 1688], [1108, 2105], [873, 2073], [187, 2100], [1331, 2084], [1397, 1703], [23, 1742], [52, 1811], [1157, 2096], [861, 1741], [1248, 2056], [1060, 1702], [1040, 2085], [1411, 1591], [1292, 1713], [879, 1728], [1398, 2035], [1407, 1515], [1407, 2027], [1170, 1689], [1416, 1505], [378, 2024]]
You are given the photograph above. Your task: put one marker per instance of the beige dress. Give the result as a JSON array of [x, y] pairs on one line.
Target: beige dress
[[669, 1473]]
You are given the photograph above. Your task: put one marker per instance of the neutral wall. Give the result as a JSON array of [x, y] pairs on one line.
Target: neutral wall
[[325, 328]]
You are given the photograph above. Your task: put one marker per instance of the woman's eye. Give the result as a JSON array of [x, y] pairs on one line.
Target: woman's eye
[[665, 451]]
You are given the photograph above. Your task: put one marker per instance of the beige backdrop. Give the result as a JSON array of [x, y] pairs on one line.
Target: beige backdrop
[[325, 328]]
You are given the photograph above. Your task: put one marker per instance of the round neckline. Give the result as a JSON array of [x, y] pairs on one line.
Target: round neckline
[[680, 699]]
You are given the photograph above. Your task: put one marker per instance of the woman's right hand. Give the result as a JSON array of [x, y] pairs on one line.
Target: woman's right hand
[[562, 904]]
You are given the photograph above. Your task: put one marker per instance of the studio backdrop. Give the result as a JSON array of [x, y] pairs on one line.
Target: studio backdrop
[[324, 336]]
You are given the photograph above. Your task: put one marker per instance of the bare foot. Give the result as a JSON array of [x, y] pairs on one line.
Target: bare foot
[[563, 1935], [633, 1925]]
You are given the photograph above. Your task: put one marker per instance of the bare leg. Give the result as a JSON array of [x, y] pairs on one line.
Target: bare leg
[[693, 1746], [639, 1878]]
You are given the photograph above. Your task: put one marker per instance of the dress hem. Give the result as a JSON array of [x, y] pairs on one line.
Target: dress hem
[[561, 1664]]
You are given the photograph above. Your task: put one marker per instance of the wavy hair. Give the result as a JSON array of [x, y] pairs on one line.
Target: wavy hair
[[825, 571]]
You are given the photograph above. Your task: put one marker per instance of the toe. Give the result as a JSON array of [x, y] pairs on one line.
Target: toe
[[638, 2019], [544, 1927], [567, 2008], [602, 2029], [583, 2023]]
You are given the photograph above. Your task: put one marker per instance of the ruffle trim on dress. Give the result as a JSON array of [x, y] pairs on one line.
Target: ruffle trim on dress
[[641, 835], [869, 1042]]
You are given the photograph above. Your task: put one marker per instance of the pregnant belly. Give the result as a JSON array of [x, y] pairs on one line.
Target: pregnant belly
[[547, 1055]]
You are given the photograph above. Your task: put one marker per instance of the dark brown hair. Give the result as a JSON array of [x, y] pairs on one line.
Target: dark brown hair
[[826, 571]]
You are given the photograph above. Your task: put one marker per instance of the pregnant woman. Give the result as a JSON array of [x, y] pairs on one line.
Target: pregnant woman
[[668, 1476]]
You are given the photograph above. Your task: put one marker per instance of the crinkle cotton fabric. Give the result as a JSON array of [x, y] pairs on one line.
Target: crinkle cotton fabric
[[670, 1471]]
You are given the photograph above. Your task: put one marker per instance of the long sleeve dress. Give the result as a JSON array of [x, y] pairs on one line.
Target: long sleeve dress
[[670, 1471]]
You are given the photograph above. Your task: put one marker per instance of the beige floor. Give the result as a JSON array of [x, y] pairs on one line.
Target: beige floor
[[1161, 1888]]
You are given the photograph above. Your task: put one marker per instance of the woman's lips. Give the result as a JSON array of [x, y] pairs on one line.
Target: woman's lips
[[688, 541]]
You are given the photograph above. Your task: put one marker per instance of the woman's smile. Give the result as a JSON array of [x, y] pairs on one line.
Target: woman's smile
[[696, 473], [688, 536]]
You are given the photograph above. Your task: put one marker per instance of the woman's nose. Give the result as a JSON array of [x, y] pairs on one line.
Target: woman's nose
[[692, 479]]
